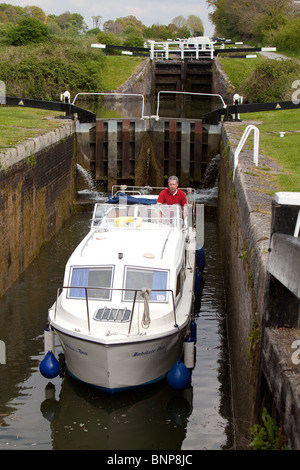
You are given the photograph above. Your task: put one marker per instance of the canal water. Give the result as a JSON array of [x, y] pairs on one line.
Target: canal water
[[36, 413]]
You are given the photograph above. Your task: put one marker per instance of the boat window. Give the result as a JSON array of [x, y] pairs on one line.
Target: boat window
[[139, 279], [95, 278]]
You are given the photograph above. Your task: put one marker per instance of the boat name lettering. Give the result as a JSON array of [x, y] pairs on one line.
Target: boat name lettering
[[143, 353], [78, 350]]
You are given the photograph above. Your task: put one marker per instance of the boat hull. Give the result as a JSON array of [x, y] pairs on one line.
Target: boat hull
[[118, 367]]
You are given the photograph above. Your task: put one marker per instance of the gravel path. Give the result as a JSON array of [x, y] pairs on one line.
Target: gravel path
[[274, 55]]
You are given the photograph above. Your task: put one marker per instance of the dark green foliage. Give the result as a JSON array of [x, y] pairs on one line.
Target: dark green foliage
[[109, 39], [47, 70], [268, 435], [28, 31], [256, 21], [271, 81], [134, 40], [288, 37]]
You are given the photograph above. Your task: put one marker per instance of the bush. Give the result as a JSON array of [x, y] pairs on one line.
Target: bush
[[134, 40], [266, 26], [46, 71], [271, 81], [109, 39], [28, 31], [288, 37]]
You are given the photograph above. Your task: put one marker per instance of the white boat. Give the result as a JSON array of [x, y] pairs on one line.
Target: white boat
[[126, 303]]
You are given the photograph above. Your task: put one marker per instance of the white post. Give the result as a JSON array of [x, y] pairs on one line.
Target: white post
[[241, 145], [297, 227], [181, 47], [151, 50]]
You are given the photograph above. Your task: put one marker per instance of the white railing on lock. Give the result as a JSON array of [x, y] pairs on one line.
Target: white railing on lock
[[242, 143], [198, 47], [116, 94], [185, 93], [297, 226]]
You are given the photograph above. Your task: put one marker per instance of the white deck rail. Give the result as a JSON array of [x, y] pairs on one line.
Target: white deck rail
[[137, 298], [242, 143]]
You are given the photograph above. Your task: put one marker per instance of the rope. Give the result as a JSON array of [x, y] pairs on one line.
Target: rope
[[146, 316]]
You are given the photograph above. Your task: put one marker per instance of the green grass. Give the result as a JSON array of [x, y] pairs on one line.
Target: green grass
[[18, 124], [289, 53], [240, 69], [284, 150], [118, 69]]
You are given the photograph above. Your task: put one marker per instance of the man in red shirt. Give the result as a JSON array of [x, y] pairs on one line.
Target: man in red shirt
[[173, 195]]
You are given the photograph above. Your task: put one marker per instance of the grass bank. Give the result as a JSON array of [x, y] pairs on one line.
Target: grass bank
[[118, 69], [238, 70], [19, 124], [284, 150]]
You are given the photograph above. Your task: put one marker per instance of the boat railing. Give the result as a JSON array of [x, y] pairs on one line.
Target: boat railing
[[153, 192], [138, 298], [136, 216]]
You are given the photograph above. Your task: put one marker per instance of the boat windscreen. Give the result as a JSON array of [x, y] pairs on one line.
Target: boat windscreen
[[137, 216]]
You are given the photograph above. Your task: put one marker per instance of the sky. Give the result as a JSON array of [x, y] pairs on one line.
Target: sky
[[149, 12]]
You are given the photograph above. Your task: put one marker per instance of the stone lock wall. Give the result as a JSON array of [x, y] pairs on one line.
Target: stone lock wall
[[244, 221], [37, 191]]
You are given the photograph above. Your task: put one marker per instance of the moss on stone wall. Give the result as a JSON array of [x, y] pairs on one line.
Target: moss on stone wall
[[35, 200]]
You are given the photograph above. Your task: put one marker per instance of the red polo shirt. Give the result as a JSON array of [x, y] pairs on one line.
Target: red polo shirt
[[166, 197]]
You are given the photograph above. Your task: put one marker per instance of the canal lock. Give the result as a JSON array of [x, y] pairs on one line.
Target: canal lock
[[125, 148]]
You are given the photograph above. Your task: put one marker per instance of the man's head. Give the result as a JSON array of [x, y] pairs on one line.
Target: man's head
[[173, 184]]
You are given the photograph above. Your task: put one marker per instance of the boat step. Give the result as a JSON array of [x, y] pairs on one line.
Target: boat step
[[113, 314]]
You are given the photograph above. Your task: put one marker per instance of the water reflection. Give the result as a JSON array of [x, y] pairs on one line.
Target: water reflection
[[150, 418], [170, 106]]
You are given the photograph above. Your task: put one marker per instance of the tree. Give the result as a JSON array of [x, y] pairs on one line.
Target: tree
[[35, 12], [77, 21], [63, 19], [3, 17], [27, 31], [108, 38], [96, 21], [11, 13], [133, 40], [246, 20], [195, 25], [179, 21], [161, 32], [131, 21], [113, 27]]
